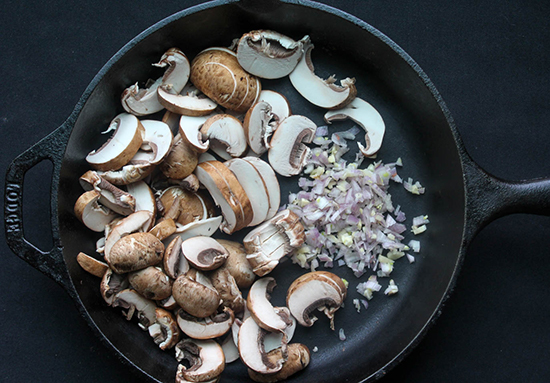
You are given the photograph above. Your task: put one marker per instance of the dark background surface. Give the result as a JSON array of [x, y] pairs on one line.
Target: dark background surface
[[489, 60]]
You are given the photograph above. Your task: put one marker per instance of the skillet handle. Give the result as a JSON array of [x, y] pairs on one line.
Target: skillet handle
[[490, 197], [51, 148]]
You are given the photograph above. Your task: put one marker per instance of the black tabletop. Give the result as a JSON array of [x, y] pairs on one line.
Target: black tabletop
[[489, 60]]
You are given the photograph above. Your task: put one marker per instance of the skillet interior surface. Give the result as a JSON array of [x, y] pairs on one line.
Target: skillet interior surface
[[417, 130]]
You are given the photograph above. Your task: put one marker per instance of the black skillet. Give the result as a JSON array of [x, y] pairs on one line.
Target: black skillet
[[460, 199]]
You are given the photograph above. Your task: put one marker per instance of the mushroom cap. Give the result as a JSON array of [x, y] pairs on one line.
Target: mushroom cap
[[92, 265], [366, 116], [151, 282], [210, 327], [195, 297], [268, 54], [237, 265], [180, 161], [174, 262], [88, 210], [205, 357], [261, 308], [225, 134], [271, 182], [123, 144], [288, 154], [192, 206], [298, 358], [164, 229], [227, 287], [135, 252], [204, 253], [112, 197], [251, 348]]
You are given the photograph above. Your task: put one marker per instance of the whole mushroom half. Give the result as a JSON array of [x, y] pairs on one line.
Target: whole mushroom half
[[135, 252], [151, 282], [195, 294]]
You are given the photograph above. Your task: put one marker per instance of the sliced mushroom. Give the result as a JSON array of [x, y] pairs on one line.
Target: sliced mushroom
[[151, 282], [226, 135], [366, 116], [237, 264], [227, 193], [316, 290], [190, 102], [111, 284], [92, 265], [172, 120], [205, 358], [141, 102], [191, 206], [168, 303], [135, 252], [92, 214], [158, 138], [164, 229], [217, 73], [257, 128], [230, 350], [189, 129], [136, 170], [298, 357], [138, 221], [164, 331], [194, 296], [288, 154], [181, 160], [136, 304], [251, 349], [261, 309], [145, 200], [191, 183], [210, 327], [204, 157], [280, 340], [204, 227], [269, 54], [271, 183], [323, 93], [204, 253], [174, 261], [112, 197], [280, 107], [227, 287], [121, 146], [253, 184]]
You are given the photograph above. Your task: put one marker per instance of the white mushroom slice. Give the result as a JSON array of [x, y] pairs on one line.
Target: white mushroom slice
[[190, 102], [92, 265], [235, 327], [204, 253], [230, 350], [226, 135], [271, 183], [257, 128], [323, 93], [297, 358], [158, 137], [205, 227], [114, 198], [261, 308], [204, 157], [269, 54], [210, 327], [88, 210], [253, 184], [288, 154], [121, 146], [280, 107], [365, 115], [251, 348], [164, 331], [227, 193], [205, 358], [195, 294], [275, 340], [313, 291], [189, 129], [145, 200], [137, 221], [174, 261], [111, 284], [151, 283], [141, 102], [136, 304]]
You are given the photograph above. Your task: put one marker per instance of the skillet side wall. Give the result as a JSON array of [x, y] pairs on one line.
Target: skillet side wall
[[418, 131]]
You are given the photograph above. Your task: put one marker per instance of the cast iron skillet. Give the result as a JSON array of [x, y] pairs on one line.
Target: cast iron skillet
[[461, 198]]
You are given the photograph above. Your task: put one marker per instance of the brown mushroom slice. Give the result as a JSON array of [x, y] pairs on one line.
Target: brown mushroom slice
[[204, 157], [289, 222], [269, 54], [158, 138], [366, 116], [92, 265], [134, 303], [174, 261], [168, 303], [164, 229], [112, 197], [230, 350], [164, 331], [226, 135], [217, 73], [288, 154], [253, 184], [141, 102], [271, 184], [261, 309], [275, 340], [237, 265], [204, 227], [121, 146], [91, 213], [280, 107], [189, 129], [323, 93], [180, 161], [298, 358], [251, 348], [190, 102], [111, 284], [191, 183], [227, 193], [313, 291], [136, 170], [210, 327], [227, 287], [204, 253], [194, 296], [145, 200], [205, 358], [257, 128], [191, 205], [135, 252], [151, 282], [138, 221]]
